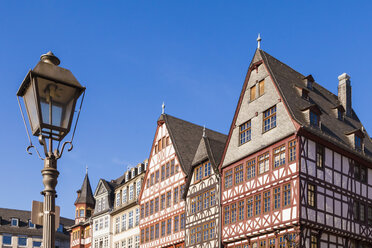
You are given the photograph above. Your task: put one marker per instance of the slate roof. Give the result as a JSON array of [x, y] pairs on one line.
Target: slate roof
[[86, 195], [332, 129], [186, 137], [7, 214], [210, 147]]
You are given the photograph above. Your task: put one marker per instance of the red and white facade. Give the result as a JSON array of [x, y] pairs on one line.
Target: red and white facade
[[162, 221]]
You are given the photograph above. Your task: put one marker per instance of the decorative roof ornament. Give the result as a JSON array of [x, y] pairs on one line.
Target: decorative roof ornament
[[162, 108], [259, 42], [204, 135], [86, 169]]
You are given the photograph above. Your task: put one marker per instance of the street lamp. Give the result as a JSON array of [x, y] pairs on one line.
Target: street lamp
[[50, 94]]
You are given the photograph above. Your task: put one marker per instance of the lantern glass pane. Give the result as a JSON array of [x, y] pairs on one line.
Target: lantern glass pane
[[30, 102], [56, 101]]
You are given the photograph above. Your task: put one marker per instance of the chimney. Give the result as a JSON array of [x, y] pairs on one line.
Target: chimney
[[344, 92]]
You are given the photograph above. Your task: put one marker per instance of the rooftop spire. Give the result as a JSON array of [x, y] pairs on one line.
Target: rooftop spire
[[259, 41], [162, 108], [204, 135], [86, 169]]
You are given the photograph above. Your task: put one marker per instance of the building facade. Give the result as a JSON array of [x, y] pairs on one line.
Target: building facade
[[17, 230], [126, 213], [81, 232], [296, 170], [202, 193], [162, 221]]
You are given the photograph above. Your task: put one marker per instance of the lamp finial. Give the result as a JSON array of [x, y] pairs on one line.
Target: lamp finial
[[50, 58], [162, 108], [259, 41]]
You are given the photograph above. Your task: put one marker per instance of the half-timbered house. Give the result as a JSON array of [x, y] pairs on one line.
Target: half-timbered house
[[81, 232], [162, 221], [202, 193], [297, 166]]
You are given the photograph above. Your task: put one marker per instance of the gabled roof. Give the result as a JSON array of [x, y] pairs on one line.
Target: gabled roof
[[185, 137], [85, 194], [332, 129], [211, 147]]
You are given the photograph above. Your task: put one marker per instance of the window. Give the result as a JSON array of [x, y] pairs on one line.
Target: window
[[227, 215], [123, 222], [261, 88], [124, 200], [198, 173], [175, 197], [136, 242], [262, 243], [14, 222], [131, 192], [130, 219], [358, 142], [157, 176], [271, 243], [162, 202], [360, 173], [205, 231], [152, 233], [267, 201], [311, 195], [198, 234], [106, 221], [277, 198], [238, 174], [319, 156], [263, 163], [249, 207], [167, 170], [7, 239], [138, 189], [257, 205], [233, 213], [314, 119], [212, 229], [142, 211], [156, 204], [193, 205], [241, 211], [207, 169], [313, 241], [269, 119], [163, 228], [286, 195], [369, 215], [30, 224], [182, 190], [292, 150], [169, 198], [169, 226], [147, 234], [199, 200], [362, 212], [279, 156], [147, 208], [192, 236], [36, 243], [162, 172], [142, 238], [22, 241], [206, 200], [130, 242], [245, 132], [172, 167], [117, 201], [176, 224], [152, 179], [228, 179], [281, 242], [117, 224], [151, 207], [212, 197], [251, 169], [253, 93], [182, 222], [137, 217], [157, 231]]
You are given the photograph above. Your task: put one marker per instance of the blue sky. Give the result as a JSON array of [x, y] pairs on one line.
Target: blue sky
[[133, 55]]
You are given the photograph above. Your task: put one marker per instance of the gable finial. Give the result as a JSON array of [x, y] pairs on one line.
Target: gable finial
[[162, 108], [204, 135], [259, 41], [86, 169]]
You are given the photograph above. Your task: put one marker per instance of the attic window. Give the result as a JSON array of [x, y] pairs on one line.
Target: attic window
[[358, 142], [14, 222], [30, 224], [339, 115], [314, 119]]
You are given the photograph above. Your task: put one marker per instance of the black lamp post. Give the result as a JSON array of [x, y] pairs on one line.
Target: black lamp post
[[50, 94]]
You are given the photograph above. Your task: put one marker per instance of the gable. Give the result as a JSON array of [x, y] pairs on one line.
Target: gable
[[253, 110], [101, 189]]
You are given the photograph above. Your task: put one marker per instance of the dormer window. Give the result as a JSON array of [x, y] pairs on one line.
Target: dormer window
[[30, 224], [309, 80], [14, 222], [358, 142], [314, 119], [339, 115]]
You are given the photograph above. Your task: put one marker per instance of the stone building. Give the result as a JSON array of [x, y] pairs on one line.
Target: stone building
[[17, 230], [125, 215]]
